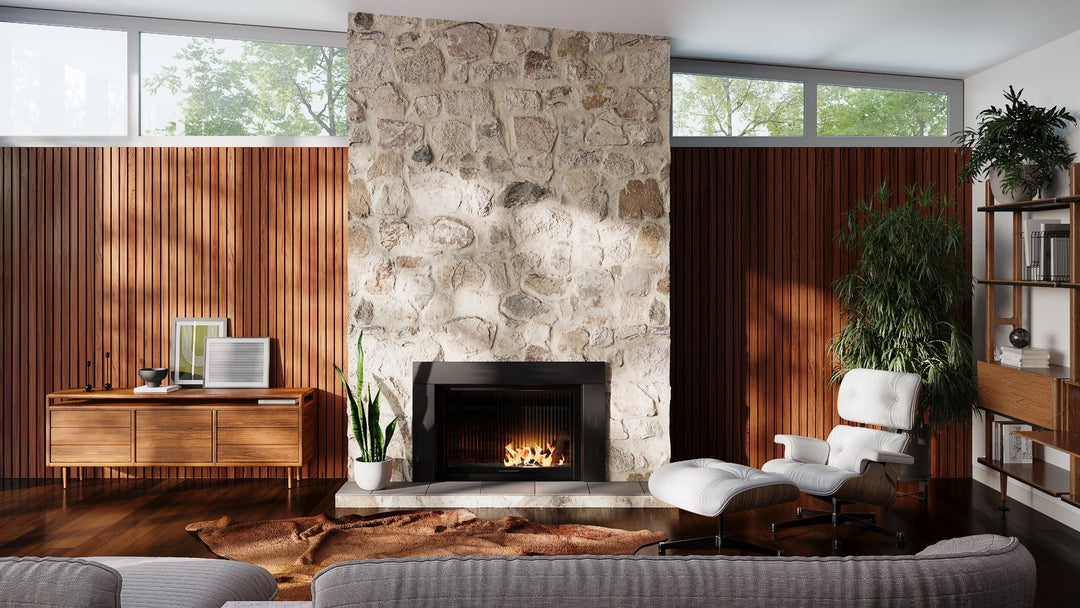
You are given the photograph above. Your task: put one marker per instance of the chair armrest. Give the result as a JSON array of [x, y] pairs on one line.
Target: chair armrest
[[868, 456], [804, 449]]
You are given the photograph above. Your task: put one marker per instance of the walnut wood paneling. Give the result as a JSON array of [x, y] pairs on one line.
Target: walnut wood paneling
[[102, 247], [753, 263]]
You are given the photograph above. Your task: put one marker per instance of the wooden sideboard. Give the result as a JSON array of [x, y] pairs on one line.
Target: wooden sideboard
[[184, 428]]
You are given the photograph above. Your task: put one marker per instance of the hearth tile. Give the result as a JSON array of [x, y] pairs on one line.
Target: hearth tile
[[454, 488], [510, 488], [562, 488], [351, 489], [616, 488], [496, 501], [403, 488]]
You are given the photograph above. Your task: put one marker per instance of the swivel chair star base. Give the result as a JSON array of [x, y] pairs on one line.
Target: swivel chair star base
[[813, 517]]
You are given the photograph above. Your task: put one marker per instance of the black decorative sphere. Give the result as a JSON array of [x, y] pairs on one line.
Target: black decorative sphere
[[1020, 337]]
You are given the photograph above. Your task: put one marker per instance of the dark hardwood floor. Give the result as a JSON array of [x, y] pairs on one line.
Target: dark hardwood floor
[[147, 517]]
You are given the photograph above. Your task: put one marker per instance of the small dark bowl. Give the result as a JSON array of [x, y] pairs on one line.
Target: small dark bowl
[[153, 375]]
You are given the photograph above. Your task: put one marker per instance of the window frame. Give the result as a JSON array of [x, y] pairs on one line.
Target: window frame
[[134, 26], [811, 78]]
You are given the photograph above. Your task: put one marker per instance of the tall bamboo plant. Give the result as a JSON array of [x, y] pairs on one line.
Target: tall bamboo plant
[[365, 414], [903, 306]]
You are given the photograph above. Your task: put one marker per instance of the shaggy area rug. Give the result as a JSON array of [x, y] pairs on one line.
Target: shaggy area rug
[[295, 549]]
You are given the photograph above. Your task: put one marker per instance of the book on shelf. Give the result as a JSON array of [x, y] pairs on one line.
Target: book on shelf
[[277, 401], [1012, 356], [1025, 364], [167, 388], [1027, 350], [1014, 449], [1046, 250]]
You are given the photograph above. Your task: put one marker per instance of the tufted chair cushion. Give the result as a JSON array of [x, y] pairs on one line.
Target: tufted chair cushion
[[849, 446], [872, 396]]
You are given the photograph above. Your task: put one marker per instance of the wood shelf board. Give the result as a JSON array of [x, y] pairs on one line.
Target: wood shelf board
[[1043, 204], [1059, 440], [1054, 371], [1040, 475], [1050, 284], [129, 394]]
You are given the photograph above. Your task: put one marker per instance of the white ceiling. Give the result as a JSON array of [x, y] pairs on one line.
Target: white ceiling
[[950, 38]]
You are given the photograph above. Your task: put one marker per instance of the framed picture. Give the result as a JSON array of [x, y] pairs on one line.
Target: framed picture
[[189, 336], [237, 363]]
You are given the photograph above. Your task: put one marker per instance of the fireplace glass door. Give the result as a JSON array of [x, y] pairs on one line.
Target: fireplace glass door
[[504, 433]]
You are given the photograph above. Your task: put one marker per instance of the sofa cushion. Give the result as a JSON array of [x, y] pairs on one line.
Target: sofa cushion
[[995, 579], [33, 582], [188, 582]]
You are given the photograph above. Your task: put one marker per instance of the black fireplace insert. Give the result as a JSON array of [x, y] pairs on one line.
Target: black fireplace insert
[[509, 421]]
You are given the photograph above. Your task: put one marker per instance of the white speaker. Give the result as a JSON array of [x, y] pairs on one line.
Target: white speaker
[[237, 363]]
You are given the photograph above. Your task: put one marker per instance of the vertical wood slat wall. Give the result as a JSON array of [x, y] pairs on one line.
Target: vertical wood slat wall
[[102, 247], [753, 263]]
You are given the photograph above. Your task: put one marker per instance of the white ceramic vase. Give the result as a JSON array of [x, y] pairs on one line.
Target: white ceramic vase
[[373, 475]]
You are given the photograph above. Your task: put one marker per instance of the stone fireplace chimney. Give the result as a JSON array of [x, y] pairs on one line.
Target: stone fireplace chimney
[[508, 201]]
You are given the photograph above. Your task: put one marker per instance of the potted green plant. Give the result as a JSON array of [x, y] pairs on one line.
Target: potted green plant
[[372, 468], [1018, 147], [903, 307]]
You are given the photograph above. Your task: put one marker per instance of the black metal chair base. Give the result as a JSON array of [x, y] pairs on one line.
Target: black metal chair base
[[863, 521], [720, 541]]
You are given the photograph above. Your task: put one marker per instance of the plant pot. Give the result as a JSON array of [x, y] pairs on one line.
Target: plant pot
[[373, 475], [1015, 196], [919, 448]]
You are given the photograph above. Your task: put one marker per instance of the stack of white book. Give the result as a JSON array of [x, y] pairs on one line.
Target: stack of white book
[[1024, 358], [165, 388]]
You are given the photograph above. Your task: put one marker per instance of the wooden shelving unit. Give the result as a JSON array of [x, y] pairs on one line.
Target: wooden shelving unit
[[1047, 399]]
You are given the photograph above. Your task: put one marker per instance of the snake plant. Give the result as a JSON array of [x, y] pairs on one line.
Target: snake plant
[[364, 414]]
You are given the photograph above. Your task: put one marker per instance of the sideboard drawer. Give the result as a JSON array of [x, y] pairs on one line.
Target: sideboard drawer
[[90, 453], [89, 419], [66, 435], [258, 436], [260, 417], [174, 436], [284, 455]]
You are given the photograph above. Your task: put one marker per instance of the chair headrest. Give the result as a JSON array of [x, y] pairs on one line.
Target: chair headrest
[[873, 396]]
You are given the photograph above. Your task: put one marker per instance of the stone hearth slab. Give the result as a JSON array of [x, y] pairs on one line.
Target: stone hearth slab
[[499, 494]]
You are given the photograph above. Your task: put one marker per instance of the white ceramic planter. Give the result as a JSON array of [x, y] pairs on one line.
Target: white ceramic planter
[[373, 475], [1016, 195]]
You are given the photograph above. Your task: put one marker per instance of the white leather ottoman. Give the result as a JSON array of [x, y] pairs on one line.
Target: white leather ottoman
[[711, 487]]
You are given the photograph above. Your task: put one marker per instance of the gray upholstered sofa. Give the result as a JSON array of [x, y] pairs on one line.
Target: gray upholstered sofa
[[979, 571], [130, 582]]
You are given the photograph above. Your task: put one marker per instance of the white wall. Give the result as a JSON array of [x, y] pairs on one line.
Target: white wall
[[1048, 77]]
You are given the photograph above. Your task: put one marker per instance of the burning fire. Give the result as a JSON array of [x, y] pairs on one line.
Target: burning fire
[[531, 456]]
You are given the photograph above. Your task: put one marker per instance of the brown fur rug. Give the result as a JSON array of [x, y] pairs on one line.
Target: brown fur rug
[[295, 549]]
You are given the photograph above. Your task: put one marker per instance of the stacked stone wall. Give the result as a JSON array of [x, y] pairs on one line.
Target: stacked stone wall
[[508, 201]]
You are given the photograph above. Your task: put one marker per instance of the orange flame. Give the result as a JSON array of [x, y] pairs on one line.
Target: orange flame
[[531, 456]]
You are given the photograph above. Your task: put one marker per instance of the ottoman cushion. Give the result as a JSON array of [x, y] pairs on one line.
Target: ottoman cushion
[[709, 487]]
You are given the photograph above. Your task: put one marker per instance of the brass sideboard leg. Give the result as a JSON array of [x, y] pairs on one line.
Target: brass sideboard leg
[[299, 473], [80, 473], [1003, 479], [63, 475], [288, 476]]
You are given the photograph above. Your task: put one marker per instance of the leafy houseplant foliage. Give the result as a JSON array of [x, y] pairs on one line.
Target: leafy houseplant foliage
[[365, 414], [902, 306], [1015, 135]]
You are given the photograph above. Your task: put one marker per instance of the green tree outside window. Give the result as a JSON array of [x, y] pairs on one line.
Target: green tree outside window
[[272, 89]]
